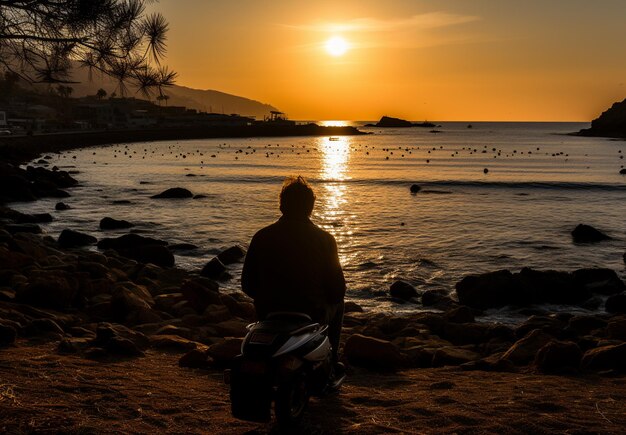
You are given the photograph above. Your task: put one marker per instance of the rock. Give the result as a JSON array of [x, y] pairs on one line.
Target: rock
[[141, 249], [172, 343], [217, 313], [549, 286], [60, 206], [23, 228], [107, 331], [195, 359], [617, 328], [373, 353], [74, 239], [453, 356], [460, 314], [528, 287], [389, 122], [523, 351], [225, 351], [72, 345], [174, 192], [548, 324], [231, 328], [175, 330], [616, 304], [43, 326], [123, 347], [610, 123], [415, 188], [50, 289], [231, 255], [214, 269], [611, 357], [8, 334], [402, 290], [599, 281], [438, 299], [558, 355], [488, 290], [588, 234], [352, 307], [108, 223], [129, 241], [580, 325], [200, 295], [242, 309], [182, 247]]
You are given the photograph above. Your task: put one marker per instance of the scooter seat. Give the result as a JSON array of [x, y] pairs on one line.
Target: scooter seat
[[284, 323]]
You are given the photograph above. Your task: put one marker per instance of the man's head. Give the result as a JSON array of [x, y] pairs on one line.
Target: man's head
[[296, 198]]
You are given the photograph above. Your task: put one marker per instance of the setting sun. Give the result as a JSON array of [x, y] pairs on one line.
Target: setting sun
[[336, 46]]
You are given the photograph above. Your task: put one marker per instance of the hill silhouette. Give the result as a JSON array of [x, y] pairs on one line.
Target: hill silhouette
[[206, 100]]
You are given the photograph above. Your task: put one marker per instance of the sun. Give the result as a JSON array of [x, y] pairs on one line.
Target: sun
[[336, 46]]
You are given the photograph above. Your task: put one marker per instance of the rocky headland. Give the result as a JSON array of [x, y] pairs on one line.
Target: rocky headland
[[389, 122], [87, 336], [611, 123]]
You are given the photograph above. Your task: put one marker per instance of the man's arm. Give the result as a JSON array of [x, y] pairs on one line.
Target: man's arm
[[336, 285]]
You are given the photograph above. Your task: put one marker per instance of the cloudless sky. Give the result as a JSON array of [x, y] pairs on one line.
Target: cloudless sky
[[547, 60]]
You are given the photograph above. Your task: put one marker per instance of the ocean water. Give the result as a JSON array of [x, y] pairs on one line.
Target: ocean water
[[540, 184]]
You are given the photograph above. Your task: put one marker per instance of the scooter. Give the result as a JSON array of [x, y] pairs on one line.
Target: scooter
[[285, 359]]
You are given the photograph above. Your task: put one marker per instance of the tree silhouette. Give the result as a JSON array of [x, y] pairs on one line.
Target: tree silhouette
[[42, 40], [64, 91], [101, 94]]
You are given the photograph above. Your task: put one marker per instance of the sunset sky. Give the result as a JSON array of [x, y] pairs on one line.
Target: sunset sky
[[557, 60]]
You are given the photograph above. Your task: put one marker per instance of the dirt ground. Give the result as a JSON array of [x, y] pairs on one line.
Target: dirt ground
[[44, 392]]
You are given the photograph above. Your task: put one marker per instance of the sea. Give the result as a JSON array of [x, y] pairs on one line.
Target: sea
[[492, 196]]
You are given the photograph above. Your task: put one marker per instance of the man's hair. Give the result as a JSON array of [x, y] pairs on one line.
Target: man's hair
[[296, 197]]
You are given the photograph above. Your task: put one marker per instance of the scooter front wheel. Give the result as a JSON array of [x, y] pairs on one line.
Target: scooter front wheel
[[292, 399]]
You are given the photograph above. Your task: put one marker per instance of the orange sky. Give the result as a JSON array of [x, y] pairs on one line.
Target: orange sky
[[557, 60]]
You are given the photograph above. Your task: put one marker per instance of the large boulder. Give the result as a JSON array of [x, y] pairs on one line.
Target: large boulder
[[7, 335], [616, 304], [453, 356], [524, 351], [558, 355], [73, 239], [105, 332], [599, 281], [55, 289], [402, 290], [108, 223], [488, 290], [616, 328], [232, 254], [529, 286], [587, 234], [611, 357], [214, 269], [370, 352], [141, 249], [200, 294], [174, 192], [225, 351]]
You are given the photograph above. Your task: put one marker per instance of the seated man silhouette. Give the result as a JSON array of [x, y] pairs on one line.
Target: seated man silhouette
[[292, 265]]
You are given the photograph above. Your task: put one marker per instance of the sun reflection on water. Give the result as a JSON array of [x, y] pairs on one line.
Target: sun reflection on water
[[334, 123], [334, 171]]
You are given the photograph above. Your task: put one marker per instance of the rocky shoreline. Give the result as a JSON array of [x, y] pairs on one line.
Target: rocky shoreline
[[129, 297], [129, 300]]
